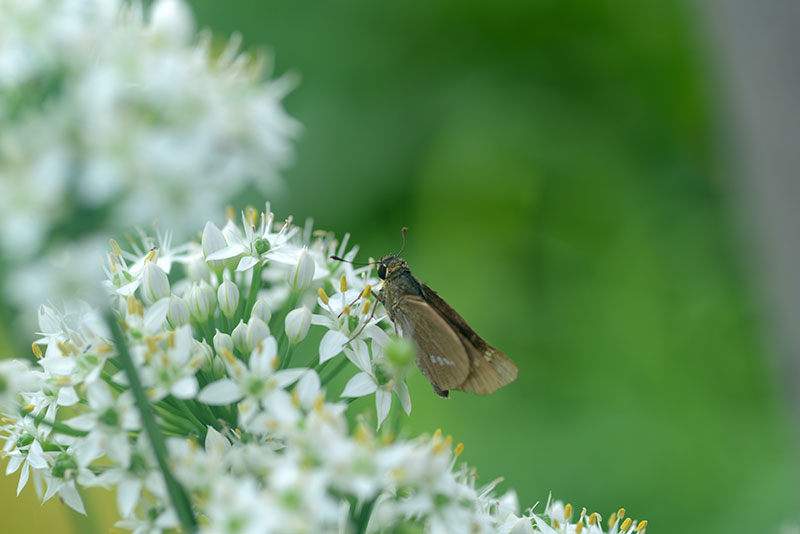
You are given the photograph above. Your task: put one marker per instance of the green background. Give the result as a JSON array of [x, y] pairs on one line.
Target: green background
[[554, 164]]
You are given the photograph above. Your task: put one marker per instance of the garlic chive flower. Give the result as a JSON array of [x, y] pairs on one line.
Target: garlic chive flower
[[298, 322], [257, 433], [128, 113]]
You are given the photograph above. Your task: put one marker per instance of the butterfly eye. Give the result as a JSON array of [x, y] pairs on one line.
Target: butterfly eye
[[382, 271]]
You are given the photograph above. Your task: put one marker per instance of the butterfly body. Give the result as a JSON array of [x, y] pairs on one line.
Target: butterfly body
[[448, 351]]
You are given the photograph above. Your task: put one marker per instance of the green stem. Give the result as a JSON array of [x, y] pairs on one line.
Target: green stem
[[255, 287], [288, 358], [335, 371], [61, 428], [180, 500], [363, 517]]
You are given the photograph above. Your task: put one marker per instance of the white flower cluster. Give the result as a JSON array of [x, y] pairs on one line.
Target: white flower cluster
[[113, 116], [258, 444]]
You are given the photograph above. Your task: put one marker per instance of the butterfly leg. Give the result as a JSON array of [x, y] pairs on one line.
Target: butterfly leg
[[363, 326]]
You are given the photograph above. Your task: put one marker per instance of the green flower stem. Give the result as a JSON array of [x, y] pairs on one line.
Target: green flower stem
[[61, 428], [342, 364], [255, 287], [192, 417], [288, 358], [180, 500], [168, 417], [364, 515]]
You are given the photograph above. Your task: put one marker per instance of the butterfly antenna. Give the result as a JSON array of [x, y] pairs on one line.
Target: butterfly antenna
[[403, 230], [337, 258]]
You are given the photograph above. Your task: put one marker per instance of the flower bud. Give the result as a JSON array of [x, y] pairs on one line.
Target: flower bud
[[400, 355], [228, 296], [202, 350], [239, 336], [198, 270], [261, 310], [201, 301], [297, 324], [222, 341], [256, 331], [302, 274], [178, 312], [212, 241], [155, 285], [171, 20]]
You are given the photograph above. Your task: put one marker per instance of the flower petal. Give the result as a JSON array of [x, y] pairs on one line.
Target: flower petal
[[383, 403], [225, 391], [185, 388], [331, 345], [128, 493], [360, 385]]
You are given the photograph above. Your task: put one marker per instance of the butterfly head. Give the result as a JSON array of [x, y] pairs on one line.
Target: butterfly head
[[388, 265]]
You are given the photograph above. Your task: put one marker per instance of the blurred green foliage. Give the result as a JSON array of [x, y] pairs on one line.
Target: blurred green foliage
[[553, 163]]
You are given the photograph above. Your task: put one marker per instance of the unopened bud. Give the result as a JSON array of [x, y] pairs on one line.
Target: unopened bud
[[297, 324]]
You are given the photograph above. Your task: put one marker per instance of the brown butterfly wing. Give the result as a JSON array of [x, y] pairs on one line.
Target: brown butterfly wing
[[441, 356], [490, 369]]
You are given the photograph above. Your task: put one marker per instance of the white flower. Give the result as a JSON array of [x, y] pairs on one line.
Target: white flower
[[253, 381], [202, 301], [257, 330], [15, 377], [108, 423], [302, 274], [261, 310], [257, 244], [228, 296], [298, 322], [155, 284], [133, 117], [178, 312]]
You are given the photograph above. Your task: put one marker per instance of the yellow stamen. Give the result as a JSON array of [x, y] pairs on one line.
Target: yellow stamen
[[115, 247], [612, 520], [229, 213], [323, 296], [151, 255], [36, 351], [437, 434], [641, 526], [346, 310], [367, 291], [579, 528], [625, 525], [229, 357], [319, 403], [365, 307], [171, 339], [595, 519], [556, 524], [131, 305], [252, 216], [295, 398], [621, 514], [112, 263], [28, 408], [448, 441], [361, 434], [343, 284], [151, 345], [568, 511], [459, 449], [62, 381]]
